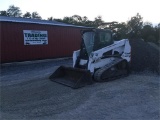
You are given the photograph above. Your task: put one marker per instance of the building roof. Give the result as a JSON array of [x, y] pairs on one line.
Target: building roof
[[37, 21]]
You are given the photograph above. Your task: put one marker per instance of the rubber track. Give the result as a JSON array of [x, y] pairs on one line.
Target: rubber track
[[98, 73]]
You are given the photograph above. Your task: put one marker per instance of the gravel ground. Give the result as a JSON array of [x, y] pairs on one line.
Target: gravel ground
[[27, 93]]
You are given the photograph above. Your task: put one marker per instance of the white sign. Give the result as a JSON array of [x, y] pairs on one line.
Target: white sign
[[35, 37]]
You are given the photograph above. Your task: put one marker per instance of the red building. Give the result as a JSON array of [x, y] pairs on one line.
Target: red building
[[25, 39]]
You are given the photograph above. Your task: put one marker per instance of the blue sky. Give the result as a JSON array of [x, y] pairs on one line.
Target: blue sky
[[110, 10]]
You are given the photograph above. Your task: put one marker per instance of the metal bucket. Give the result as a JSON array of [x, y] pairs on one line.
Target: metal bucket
[[72, 77]]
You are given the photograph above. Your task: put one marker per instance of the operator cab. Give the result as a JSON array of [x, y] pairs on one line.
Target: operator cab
[[93, 40]]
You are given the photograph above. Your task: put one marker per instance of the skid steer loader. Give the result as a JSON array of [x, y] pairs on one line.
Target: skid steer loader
[[99, 59]]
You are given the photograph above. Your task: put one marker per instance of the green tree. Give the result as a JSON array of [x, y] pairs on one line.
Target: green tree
[[157, 33], [147, 23], [3, 13], [27, 15], [77, 19], [14, 11], [84, 19], [98, 21], [50, 19], [134, 26], [121, 30], [108, 25], [56, 19], [68, 20], [35, 15], [150, 33], [147, 32], [159, 25], [89, 23]]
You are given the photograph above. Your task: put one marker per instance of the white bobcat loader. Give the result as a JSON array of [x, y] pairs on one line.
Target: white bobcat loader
[[99, 59]]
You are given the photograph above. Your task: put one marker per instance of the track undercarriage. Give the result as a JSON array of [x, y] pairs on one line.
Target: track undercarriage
[[116, 69]]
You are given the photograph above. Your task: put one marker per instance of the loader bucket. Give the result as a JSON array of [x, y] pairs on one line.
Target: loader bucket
[[72, 77]]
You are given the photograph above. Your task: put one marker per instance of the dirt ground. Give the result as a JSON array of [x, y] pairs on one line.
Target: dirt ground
[[28, 94]]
